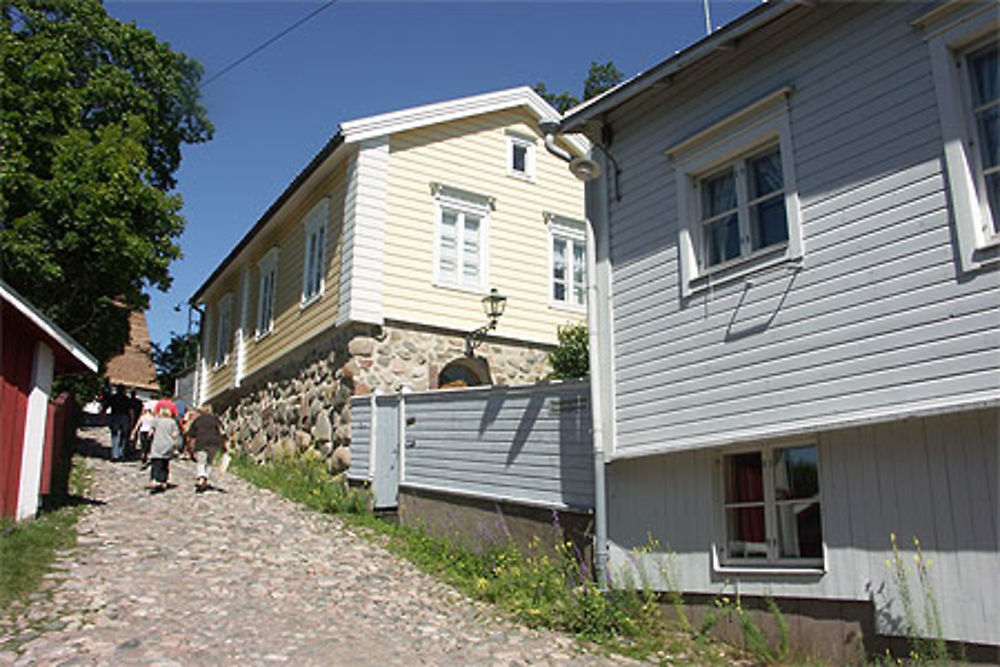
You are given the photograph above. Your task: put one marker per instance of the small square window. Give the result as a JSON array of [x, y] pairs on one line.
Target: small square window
[[521, 156], [771, 507]]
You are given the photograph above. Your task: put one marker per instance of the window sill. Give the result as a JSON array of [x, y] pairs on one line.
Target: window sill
[[568, 307], [262, 335], [310, 301], [477, 290], [527, 178], [783, 569], [759, 262]]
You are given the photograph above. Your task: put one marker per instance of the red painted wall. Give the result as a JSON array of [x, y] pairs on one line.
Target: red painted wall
[[18, 353]]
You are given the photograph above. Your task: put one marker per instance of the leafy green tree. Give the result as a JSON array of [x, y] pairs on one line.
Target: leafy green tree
[[571, 359], [174, 359], [93, 113], [601, 77]]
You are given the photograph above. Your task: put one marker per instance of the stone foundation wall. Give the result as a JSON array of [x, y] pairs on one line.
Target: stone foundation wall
[[302, 401]]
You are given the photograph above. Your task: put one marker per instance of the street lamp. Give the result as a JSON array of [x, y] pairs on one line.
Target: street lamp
[[494, 304]]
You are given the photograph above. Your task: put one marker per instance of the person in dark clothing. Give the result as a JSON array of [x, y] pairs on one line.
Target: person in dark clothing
[[206, 437], [119, 422], [134, 412]]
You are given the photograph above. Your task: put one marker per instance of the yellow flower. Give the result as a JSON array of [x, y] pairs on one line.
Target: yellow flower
[[916, 558], [481, 584], [887, 563]]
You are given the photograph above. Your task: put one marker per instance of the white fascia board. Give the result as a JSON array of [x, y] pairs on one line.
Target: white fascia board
[[385, 124], [976, 401], [8, 294]]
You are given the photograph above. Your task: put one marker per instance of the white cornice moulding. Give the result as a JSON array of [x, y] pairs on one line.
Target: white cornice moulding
[[441, 112]]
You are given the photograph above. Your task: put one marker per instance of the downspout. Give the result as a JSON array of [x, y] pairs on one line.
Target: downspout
[[596, 202]]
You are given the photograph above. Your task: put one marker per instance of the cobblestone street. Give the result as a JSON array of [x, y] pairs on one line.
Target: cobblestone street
[[240, 575]]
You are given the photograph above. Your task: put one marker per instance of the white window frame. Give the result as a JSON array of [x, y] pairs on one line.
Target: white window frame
[[267, 269], [528, 143], [742, 134], [223, 331], [772, 563], [571, 231], [316, 226], [950, 39], [462, 202]]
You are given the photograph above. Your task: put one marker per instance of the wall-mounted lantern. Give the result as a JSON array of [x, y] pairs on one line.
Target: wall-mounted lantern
[[494, 304]]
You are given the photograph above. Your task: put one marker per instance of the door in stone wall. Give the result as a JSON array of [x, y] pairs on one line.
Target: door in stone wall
[[385, 473]]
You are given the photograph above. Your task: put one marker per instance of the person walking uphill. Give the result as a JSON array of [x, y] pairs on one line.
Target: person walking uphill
[[206, 432], [166, 440], [119, 422]]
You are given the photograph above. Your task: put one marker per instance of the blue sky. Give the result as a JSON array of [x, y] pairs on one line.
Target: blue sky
[[276, 110]]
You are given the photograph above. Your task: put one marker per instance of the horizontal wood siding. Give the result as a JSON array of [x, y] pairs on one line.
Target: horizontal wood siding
[[934, 478], [220, 378], [361, 433], [876, 323], [471, 154], [294, 325]]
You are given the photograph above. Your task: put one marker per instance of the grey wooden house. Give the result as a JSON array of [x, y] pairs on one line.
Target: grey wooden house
[[798, 237]]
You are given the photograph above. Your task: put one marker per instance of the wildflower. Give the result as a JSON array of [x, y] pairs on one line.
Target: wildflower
[[916, 558], [887, 563], [481, 584]]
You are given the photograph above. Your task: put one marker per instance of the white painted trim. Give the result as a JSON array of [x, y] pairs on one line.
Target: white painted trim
[[570, 230], [33, 444], [224, 307], [975, 401], [977, 244], [268, 265], [463, 202], [50, 328], [370, 176], [241, 352], [316, 221], [441, 112], [530, 156], [753, 127]]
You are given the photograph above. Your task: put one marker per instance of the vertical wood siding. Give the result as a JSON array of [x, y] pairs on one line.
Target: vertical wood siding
[[934, 478], [877, 323], [361, 433], [471, 154], [526, 444]]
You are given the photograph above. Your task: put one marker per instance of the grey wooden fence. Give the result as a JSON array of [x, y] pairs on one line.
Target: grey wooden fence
[[525, 444]]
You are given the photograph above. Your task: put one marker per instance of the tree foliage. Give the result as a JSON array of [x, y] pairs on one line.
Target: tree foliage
[[174, 359], [600, 77], [93, 113], [571, 359]]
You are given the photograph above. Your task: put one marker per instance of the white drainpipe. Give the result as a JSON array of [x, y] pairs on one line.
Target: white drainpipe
[[596, 208]]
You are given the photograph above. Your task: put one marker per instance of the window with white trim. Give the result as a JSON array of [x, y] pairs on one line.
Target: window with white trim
[[964, 58], [314, 262], [267, 267], [771, 507], [223, 330], [738, 204], [462, 233], [568, 243], [521, 156]]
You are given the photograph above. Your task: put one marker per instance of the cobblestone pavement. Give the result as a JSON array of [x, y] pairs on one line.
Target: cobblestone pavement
[[243, 576]]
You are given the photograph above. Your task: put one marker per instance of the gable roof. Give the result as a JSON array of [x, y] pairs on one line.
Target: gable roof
[[576, 119], [50, 330], [361, 129]]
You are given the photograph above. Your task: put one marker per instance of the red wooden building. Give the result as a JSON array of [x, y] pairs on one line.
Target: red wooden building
[[32, 425]]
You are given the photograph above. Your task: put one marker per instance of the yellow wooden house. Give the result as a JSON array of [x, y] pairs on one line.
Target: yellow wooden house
[[369, 270]]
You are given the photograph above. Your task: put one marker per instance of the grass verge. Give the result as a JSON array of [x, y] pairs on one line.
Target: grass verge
[[28, 548], [534, 586]]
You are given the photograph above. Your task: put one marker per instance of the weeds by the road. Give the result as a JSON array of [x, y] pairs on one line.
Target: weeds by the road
[[28, 549], [537, 587]]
